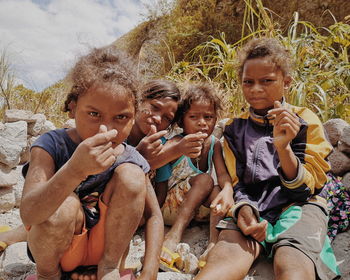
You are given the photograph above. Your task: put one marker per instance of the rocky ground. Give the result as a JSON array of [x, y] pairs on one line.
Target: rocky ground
[[15, 265]]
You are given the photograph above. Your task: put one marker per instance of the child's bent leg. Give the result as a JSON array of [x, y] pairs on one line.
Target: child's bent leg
[[213, 231], [18, 234], [48, 241], [125, 197], [201, 187], [286, 260], [231, 257]]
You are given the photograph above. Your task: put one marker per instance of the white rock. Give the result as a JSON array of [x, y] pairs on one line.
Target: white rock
[[69, 124], [7, 199], [25, 155], [173, 276], [15, 115], [36, 127], [13, 139], [16, 262], [48, 126], [8, 176], [19, 186]]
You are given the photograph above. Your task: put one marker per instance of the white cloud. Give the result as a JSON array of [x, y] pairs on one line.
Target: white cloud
[[45, 36]]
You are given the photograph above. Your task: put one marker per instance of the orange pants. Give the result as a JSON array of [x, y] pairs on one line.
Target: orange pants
[[87, 248]]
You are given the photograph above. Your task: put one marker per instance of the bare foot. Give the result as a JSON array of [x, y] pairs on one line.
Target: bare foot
[[85, 273], [15, 235], [107, 273], [203, 258], [55, 276], [171, 245]]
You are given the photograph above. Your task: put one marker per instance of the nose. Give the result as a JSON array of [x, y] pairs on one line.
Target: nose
[[109, 125], [157, 119], [201, 122], [256, 87]]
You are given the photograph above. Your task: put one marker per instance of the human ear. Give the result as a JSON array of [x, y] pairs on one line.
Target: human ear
[[287, 81], [72, 107]]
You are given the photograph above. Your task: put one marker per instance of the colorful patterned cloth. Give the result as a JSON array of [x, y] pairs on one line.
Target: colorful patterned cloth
[[338, 202]]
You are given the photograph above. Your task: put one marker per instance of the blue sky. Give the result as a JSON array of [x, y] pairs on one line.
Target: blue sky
[[44, 37]]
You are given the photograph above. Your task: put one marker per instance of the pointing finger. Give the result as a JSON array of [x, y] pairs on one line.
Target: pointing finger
[[152, 130], [103, 128], [102, 138]]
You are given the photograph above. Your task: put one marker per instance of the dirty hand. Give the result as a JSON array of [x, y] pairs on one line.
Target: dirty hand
[[222, 202], [248, 224], [191, 145], [286, 125]]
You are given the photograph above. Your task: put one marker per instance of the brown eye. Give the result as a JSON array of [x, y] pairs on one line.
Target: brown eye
[[94, 114]]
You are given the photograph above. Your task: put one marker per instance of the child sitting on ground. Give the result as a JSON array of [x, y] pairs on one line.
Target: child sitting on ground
[[188, 189], [85, 190], [276, 156]]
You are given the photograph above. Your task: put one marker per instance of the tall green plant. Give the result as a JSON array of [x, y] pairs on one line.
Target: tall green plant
[[322, 69]]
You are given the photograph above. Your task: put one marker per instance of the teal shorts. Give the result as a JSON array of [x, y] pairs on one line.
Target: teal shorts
[[304, 227]]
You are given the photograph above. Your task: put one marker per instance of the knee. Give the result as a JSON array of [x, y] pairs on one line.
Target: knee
[[63, 221], [130, 180], [204, 180]]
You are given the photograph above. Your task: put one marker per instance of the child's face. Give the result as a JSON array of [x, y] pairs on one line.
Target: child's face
[[263, 83], [102, 105], [159, 112], [200, 117]]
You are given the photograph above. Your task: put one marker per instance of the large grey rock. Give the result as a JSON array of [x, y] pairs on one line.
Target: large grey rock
[[36, 127], [7, 199], [344, 148], [15, 115], [13, 139], [334, 129], [340, 163], [8, 176], [346, 181], [345, 137], [341, 247], [16, 263]]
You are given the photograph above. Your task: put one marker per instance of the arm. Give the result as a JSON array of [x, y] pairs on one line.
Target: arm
[[42, 182], [154, 235], [302, 156], [190, 145], [225, 197], [44, 190]]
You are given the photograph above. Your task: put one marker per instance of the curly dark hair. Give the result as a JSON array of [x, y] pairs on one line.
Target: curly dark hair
[[197, 92], [265, 47], [155, 89], [107, 66], [160, 89]]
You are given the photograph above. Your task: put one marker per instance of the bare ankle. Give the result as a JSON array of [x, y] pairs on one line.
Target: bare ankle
[[52, 276], [107, 273]]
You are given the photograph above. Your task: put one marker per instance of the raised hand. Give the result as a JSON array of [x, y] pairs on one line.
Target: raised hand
[[191, 145], [286, 125], [151, 144], [248, 224], [95, 154]]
